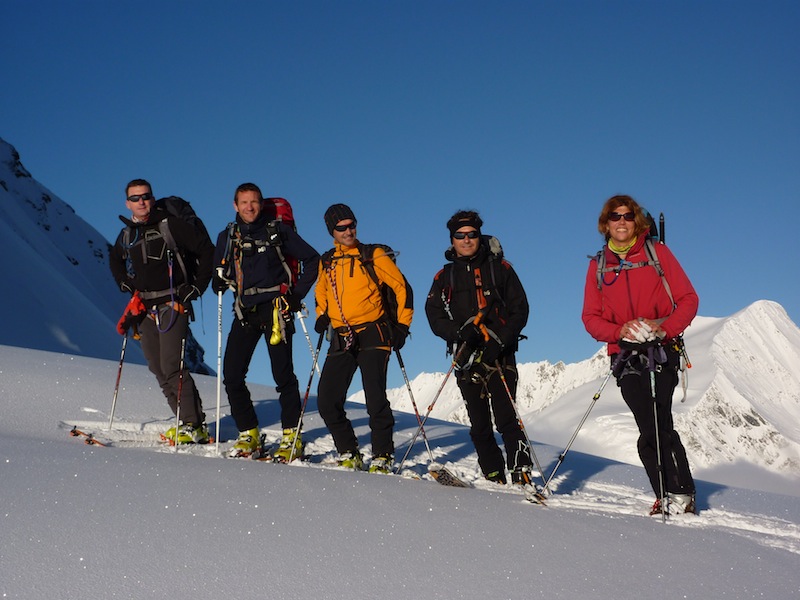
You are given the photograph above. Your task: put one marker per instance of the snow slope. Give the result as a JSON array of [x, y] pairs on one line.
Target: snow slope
[[144, 521]]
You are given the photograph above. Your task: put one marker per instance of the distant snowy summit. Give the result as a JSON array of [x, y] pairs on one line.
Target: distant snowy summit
[[62, 296], [741, 406]]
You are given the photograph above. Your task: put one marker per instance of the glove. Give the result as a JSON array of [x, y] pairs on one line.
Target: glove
[[134, 314], [492, 352], [399, 335], [640, 334], [323, 321], [471, 335], [124, 286], [294, 303], [186, 293], [219, 283]]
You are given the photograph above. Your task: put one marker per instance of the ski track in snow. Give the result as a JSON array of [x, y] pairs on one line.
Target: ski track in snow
[[592, 496]]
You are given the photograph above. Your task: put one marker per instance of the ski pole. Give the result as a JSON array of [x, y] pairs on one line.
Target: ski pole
[[302, 316], [456, 357], [425, 418], [413, 402], [219, 365], [595, 398], [315, 360], [119, 375], [519, 420], [180, 391], [659, 462]]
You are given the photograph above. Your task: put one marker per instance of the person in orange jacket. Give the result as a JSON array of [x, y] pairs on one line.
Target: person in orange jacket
[[350, 305]]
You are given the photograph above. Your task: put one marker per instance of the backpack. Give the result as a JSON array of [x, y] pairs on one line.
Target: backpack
[[388, 295], [176, 207]]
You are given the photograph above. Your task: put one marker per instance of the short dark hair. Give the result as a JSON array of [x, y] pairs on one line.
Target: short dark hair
[[137, 182], [247, 187]]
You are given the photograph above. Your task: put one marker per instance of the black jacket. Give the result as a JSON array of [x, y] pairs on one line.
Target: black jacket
[[455, 289], [262, 268], [144, 264]]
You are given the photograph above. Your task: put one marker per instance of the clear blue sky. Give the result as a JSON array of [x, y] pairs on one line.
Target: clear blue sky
[[532, 113]]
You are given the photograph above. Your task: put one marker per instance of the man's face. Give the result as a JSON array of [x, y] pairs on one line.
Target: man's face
[[247, 205], [140, 202], [466, 241], [345, 233]]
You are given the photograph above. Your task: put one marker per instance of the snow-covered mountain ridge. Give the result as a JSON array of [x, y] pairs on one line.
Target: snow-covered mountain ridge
[[742, 404]]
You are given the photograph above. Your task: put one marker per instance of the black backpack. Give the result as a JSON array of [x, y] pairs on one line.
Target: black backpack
[[388, 296]]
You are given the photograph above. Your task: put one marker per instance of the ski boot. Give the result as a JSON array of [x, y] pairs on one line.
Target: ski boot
[[290, 448], [351, 460], [381, 464], [192, 434], [247, 443]]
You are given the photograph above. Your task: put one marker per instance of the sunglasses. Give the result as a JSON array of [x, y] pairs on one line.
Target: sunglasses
[[343, 228], [615, 216], [145, 197], [460, 235]]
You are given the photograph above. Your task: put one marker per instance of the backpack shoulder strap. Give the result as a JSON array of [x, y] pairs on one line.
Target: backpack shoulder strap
[[650, 249], [169, 240], [365, 252]]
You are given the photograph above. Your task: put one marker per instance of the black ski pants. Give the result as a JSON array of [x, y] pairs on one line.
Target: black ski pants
[[337, 374], [241, 344], [635, 386], [161, 345], [484, 394]]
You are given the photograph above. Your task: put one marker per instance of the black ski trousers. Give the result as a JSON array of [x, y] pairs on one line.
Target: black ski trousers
[[337, 374], [484, 394], [241, 344], [636, 390], [161, 345]]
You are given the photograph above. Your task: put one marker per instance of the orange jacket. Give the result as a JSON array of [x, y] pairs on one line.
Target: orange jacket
[[347, 287]]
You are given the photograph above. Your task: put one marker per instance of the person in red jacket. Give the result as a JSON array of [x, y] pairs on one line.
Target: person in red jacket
[[638, 299]]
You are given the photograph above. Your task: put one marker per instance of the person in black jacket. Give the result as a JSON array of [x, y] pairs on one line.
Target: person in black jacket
[[478, 306], [251, 259], [143, 262]]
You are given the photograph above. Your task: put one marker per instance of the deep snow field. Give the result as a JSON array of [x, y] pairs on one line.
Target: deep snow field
[[141, 520]]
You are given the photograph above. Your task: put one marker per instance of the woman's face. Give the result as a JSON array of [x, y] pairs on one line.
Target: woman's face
[[621, 230]]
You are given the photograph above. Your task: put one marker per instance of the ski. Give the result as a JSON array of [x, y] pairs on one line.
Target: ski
[[88, 437], [444, 476], [533, 495]]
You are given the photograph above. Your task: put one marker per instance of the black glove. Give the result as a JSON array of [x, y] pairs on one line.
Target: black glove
[[471, 335], [399, 335], [492, 352], [186, 293], [218, 285], [293, 302], [322, 323], [124, 286]]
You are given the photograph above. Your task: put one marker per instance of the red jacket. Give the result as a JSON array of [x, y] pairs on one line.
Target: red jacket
[[637, 292]]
